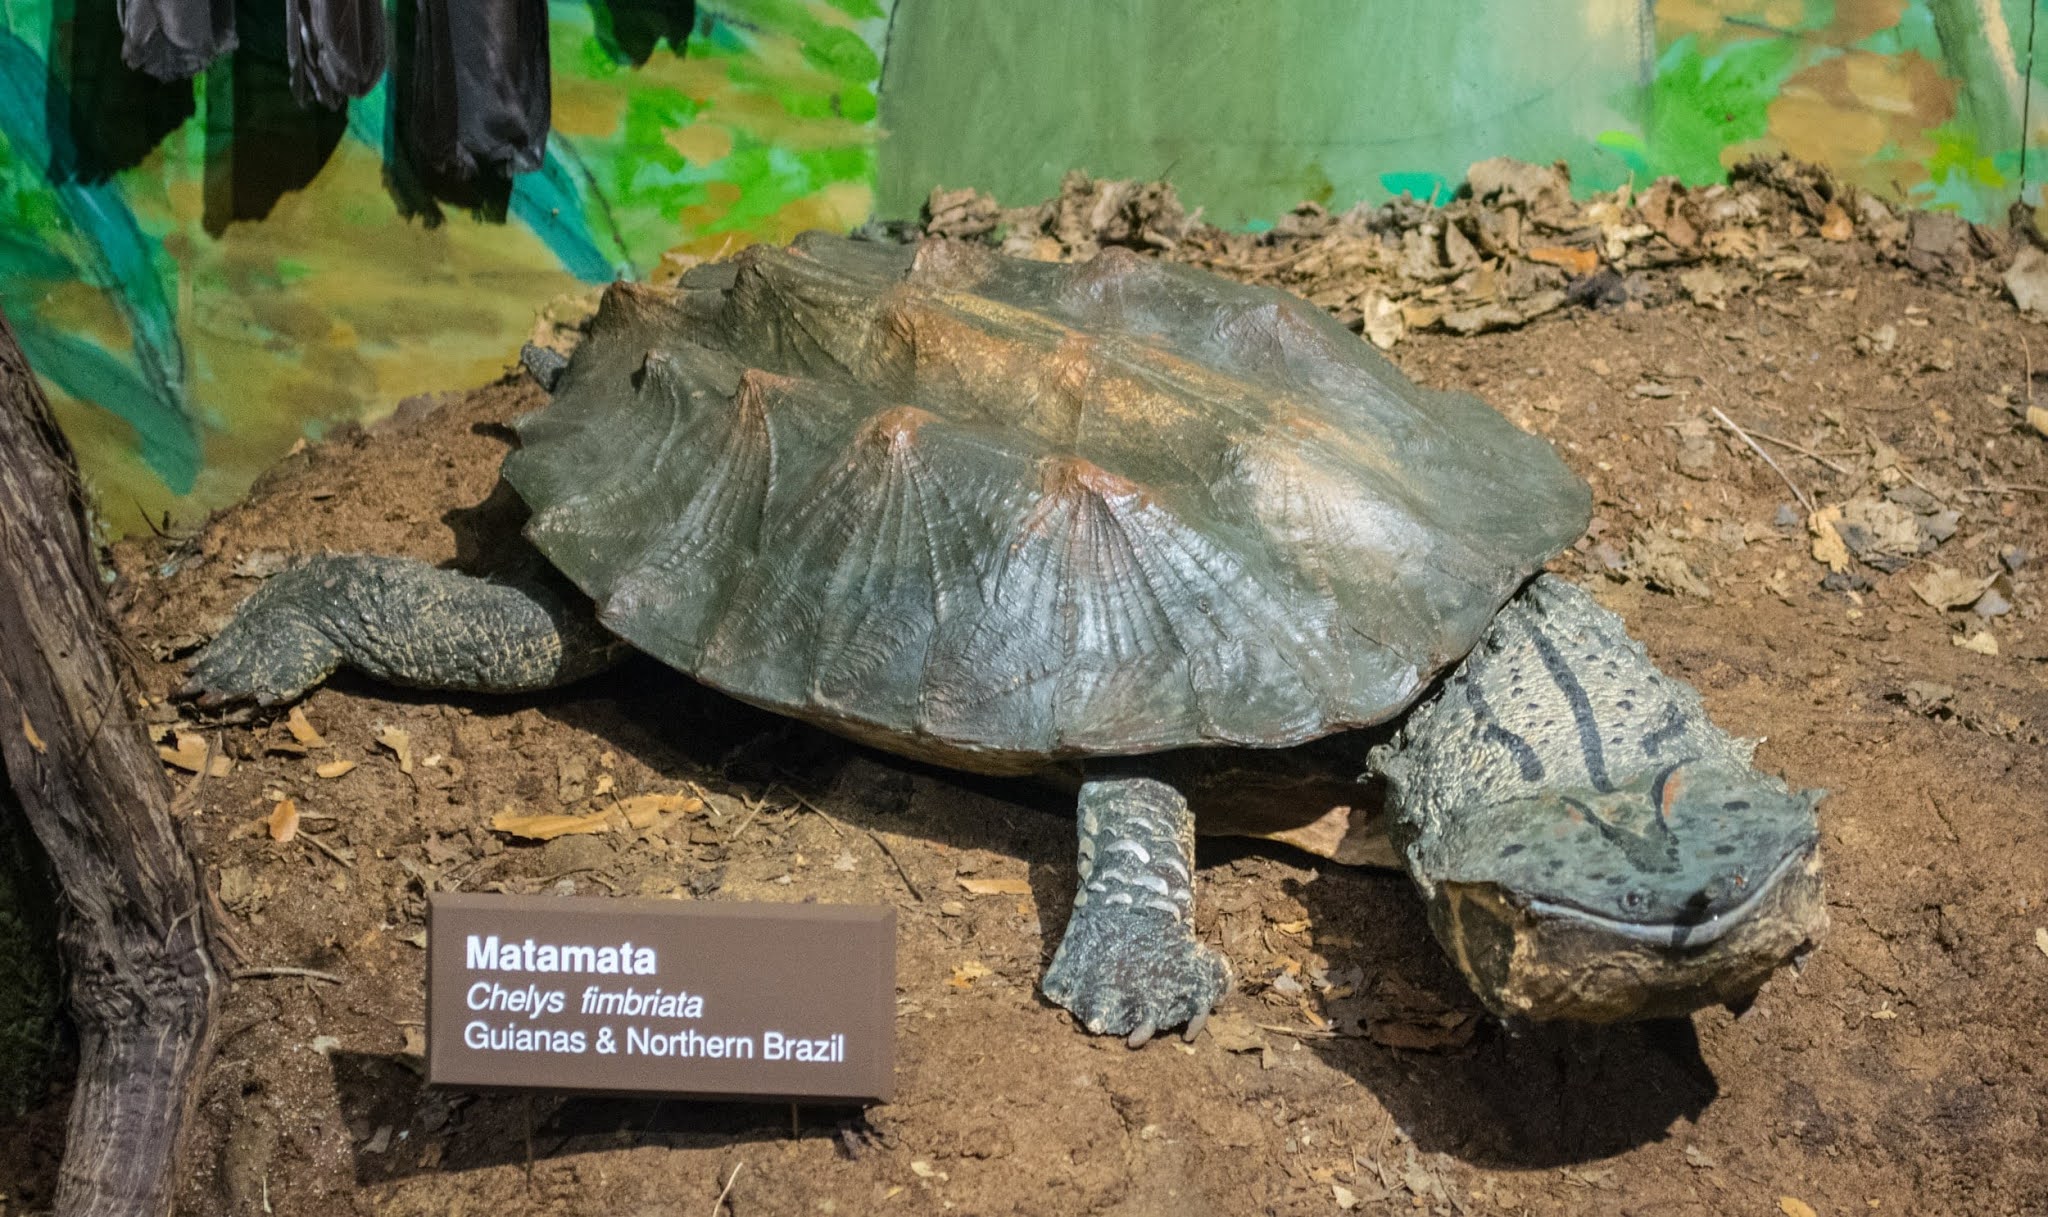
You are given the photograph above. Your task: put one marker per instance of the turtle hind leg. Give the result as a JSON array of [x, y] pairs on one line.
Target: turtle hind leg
[[401, 621], [1130, 963]]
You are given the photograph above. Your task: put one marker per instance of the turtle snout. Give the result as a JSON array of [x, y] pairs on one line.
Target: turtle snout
[[1669, 851], [1649, 897], [1716, 895]]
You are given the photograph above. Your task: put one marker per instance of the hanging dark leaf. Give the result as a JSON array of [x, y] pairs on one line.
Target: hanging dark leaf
[[336, 48], [480, 88], [173, 39]]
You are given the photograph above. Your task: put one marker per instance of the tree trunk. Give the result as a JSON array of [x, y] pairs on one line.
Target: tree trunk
[[136, 931]]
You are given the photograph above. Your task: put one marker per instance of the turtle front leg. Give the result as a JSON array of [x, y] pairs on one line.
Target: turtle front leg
[[1130, 963], [402, 621]]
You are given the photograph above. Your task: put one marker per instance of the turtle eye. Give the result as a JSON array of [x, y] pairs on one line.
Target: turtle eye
[[1664, 791]]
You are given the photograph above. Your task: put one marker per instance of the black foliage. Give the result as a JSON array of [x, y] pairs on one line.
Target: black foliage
[[336, 49], [174, 39], [479, 89]]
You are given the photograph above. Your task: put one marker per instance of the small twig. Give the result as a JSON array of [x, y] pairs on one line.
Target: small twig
[[327, 849], [746, 820], [814, 809], [1801, 449], [908, 882], [1931, 492], [558, 876], [161, 530], [725, 1191], [1757, 448], [1303, 1033], [529, 1143], [463, 873], [284, 970], [188, 798]]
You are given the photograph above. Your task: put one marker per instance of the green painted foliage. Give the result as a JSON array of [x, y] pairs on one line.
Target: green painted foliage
[[1702, 103]]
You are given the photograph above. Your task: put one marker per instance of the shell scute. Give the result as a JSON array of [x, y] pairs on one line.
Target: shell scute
[[993, 512]]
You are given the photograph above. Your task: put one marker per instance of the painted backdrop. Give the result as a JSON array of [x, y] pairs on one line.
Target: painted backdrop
[[1250, 107], [205, 273]]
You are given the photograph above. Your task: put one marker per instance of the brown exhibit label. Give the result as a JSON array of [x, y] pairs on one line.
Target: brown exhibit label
[[661, 996]]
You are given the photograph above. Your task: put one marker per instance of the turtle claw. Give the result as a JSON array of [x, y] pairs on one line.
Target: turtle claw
[[218, 681], [1131, 975], [269, 655]]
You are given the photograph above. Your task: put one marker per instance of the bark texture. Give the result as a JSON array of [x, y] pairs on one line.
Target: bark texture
[[136, 930]]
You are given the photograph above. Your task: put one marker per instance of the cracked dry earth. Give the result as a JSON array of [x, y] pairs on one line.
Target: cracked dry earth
[[1901, 1071]]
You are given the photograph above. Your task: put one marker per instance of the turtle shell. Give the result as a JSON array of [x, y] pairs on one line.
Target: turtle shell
[[995, 512]]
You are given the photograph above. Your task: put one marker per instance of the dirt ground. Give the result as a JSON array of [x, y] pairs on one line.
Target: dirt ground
[[1901, 1070]]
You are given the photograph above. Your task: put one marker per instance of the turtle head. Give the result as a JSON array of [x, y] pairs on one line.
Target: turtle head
[[1686, 885]]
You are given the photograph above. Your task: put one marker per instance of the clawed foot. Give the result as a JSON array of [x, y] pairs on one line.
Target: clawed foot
[[272, 652], [1132, 973], [266, 659]]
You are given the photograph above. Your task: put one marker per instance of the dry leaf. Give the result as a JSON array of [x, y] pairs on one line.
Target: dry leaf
[[966, 974], [640, 811], [334, 769], [1982, 642], [193, 755], [189, 753], [1887, 535], [1291, 927], [1708, 287], [2027, 280], [1835, 224], [1346, 1198], [1792, 1206], [548, 827], [1233, 1032], [1658, 560], [646, 810], [28, 732], [400, 744], [1828, 547], [284, 821], [1577, 261], [2041, 938], [1382, 321], [1946, 588], [2037, 418], [997, 887], [302, 730]]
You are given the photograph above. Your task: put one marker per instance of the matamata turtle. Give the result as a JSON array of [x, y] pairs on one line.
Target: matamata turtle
[[1181, 539]]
